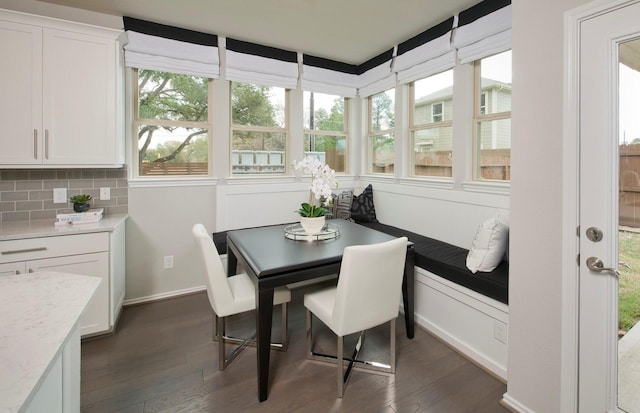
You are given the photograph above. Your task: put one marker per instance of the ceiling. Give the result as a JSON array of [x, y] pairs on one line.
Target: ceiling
[[350, 31]]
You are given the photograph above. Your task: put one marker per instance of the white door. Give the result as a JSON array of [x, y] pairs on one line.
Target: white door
[[600, 137]]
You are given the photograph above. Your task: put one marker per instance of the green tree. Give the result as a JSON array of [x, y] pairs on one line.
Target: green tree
[[174, 97], [250, 106], [382, 118]]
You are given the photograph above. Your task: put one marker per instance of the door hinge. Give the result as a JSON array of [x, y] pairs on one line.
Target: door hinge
[[578, 260], [578, 231]]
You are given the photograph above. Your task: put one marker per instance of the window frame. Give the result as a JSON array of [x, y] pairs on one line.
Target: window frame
[[479, 118], [253, 128], [136, 122], [345, 132], [372, 134], [414, 127]]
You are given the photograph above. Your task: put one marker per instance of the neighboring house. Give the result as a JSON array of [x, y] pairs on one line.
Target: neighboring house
[[436, 107]]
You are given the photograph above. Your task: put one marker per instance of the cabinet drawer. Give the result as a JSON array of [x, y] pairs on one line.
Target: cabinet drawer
[[45, 247]]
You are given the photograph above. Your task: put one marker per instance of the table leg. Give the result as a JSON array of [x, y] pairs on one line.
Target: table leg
[[232, 262], [408, 292], [264, 316]]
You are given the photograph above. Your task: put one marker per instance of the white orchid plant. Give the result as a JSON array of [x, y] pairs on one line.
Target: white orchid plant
[[322, 180]]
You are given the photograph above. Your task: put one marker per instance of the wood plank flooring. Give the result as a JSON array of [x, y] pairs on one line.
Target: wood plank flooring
[[162, 359]]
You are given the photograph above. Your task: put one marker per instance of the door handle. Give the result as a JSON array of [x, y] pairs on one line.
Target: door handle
[[596, 265]]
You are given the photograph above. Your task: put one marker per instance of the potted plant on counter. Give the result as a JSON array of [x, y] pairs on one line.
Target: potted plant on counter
[[81, 202]]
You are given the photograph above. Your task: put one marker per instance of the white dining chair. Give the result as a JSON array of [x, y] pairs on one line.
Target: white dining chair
[[367, 295], [232, 295]]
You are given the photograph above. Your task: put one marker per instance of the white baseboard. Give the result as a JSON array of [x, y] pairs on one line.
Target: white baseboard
[[163, 296], [513, 405]]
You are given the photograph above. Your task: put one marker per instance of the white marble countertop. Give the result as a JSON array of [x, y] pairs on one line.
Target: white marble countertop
[[46, 228], [38, 313]]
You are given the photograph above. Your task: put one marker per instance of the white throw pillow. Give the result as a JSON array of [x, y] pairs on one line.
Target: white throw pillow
[[489, 246]]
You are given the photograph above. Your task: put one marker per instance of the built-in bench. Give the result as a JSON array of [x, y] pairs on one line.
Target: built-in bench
[[449, 262], [438, 257]]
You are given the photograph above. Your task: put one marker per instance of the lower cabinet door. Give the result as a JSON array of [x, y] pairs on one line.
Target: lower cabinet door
[[96, 317], [12, 268]]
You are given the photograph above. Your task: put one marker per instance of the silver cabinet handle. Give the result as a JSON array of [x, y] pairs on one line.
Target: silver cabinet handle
[[46, 144], [35, 144], [23, 250], [596, 265]]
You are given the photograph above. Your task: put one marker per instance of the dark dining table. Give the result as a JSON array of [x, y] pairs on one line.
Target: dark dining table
[[273, 260]]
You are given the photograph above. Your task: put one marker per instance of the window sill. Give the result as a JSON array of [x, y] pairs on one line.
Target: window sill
[[488, 187], [171, 182], [436, 183]]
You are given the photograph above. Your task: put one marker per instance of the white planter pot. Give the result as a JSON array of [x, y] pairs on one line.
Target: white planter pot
[[312, 226]]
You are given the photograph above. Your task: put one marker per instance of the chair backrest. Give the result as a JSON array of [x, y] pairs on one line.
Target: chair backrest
[[369, 286], [218, 290]]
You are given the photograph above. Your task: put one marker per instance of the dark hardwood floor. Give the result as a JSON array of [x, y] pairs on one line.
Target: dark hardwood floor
[[162, 359]]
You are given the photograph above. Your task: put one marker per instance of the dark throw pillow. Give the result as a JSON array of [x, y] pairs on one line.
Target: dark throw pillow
[[362, 208], [342, 205]]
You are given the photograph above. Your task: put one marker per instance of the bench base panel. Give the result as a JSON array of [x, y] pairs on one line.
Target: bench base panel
[[473, 324]]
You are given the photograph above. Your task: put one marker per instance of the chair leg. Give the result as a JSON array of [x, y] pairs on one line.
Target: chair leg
[[392, 346], [285, 327], [340, 366], [219, 332], [309, 327]]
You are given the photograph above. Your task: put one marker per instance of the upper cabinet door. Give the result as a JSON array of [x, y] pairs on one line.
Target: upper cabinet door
[[79, 99], [21, 86]]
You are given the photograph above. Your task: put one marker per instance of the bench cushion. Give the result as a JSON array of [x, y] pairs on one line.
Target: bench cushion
[[449, 261]]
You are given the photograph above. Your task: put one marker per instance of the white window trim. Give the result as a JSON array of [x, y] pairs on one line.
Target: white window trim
[[132, 141]]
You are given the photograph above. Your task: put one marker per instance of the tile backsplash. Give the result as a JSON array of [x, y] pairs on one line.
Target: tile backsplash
[[27, 194]]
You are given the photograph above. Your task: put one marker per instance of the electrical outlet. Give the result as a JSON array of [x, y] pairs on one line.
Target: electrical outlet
[[168, 262], [105, 193], [500, 331], [60, 195]]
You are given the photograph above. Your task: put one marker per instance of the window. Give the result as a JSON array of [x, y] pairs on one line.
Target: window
[[325, 129], [436, 112], [381, 132], [171, 124], [430, 125], [258, 129], [492, 131]]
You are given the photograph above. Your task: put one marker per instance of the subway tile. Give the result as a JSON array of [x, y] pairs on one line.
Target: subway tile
[[98, 203], [40, 195], [44, 214], [119, 192], [7, 186], [42, 174], [120, 173], [117, 210], [15, 175], [14, 196], [15, 216], [123, 183], [99, 183], [28, 185], [80, 183], [7, 206], [123, 200], [56, 183], [48, 204], [28, 205]]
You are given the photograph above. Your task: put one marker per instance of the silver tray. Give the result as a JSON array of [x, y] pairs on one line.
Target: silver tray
[[296, 232]]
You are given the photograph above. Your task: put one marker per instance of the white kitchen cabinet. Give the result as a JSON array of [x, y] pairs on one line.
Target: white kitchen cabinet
[[97, 254], [62, 85]]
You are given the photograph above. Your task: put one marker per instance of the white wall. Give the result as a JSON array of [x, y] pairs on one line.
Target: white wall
[[159, 224], [535, 282]]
